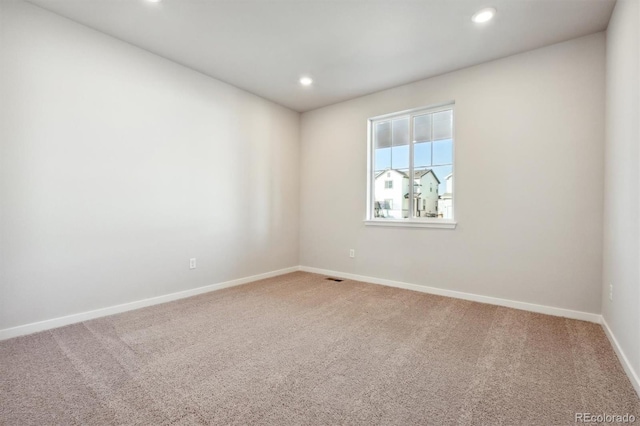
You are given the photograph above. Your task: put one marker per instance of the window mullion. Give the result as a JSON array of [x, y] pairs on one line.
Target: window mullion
[[411, 174], [371, 143]]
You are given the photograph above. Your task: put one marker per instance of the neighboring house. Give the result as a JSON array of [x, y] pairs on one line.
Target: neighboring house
[[445, 204], [390, 186], [392, 194], [425, 193]]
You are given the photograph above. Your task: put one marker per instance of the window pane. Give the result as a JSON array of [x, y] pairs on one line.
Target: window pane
[[422, 154], [400, 141], [382, 160], [432, 163], [382, 134], [422, 128], [400, 157], [445, 191], [391, 165], [425, 193], [382, 145], [401, 132], [390, 188], [443, 125], [443, 152]]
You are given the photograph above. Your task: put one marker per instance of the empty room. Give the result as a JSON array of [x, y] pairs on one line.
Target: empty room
[[319, 212]]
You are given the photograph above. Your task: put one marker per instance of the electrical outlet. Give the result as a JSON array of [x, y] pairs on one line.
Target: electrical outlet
[[352, 253], [192, 263], [611, 292]]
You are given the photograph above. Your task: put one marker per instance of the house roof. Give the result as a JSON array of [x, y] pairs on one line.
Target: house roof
[[418, 174], [391, 170]]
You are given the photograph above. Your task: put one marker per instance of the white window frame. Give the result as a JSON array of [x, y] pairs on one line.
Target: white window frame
[[414, 222]]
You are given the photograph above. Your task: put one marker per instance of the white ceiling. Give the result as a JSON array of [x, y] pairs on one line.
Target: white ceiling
[[349, 47]]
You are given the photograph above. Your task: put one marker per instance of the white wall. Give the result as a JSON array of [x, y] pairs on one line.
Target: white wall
[[622, 180], [117, 166], [529, 128]]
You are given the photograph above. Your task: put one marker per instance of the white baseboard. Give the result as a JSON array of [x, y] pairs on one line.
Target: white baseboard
[[22, 330], [549, 310], [633, 376]]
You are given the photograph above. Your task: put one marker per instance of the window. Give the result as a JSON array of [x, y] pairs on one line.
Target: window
[[414, 149]]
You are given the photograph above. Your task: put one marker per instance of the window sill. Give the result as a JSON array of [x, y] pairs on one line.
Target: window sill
[[441, 223]]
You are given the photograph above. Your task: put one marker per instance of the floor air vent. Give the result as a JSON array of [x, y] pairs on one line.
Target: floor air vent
[[338, 280]]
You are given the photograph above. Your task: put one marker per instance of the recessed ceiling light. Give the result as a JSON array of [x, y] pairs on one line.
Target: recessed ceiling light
[[154, 1], [484, 15], [306, 81]]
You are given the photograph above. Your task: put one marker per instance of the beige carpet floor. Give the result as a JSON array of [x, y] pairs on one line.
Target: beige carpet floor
[[301, 350]]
